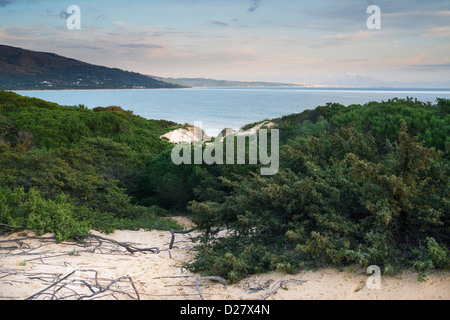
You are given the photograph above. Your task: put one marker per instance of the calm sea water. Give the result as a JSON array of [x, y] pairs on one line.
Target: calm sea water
[[220, 108]]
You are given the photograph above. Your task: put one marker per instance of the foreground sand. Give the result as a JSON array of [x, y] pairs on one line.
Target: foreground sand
[[32, 265]]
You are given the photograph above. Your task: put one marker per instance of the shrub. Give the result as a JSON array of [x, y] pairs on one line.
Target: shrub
[[30, 210], [337, 201]]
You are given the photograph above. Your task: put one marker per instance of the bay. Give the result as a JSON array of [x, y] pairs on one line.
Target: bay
[[219, 108]]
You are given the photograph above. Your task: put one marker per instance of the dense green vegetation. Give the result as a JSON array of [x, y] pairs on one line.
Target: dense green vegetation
[[364, 185], [74, 165]]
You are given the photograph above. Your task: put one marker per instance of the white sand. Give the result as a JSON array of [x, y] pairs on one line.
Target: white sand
[[160, 277], [187, 135]]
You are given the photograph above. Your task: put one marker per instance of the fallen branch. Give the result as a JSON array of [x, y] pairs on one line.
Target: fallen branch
[[173, 232], [28, 238], [11, 227], [214, 278], [102, 290], [50, 286], [280, 285], [95, 288], [130, 248]]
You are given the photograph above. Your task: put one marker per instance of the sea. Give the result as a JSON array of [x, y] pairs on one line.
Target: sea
[[219, 108]]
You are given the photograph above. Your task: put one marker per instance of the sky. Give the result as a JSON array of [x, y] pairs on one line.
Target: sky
[[295, 41]]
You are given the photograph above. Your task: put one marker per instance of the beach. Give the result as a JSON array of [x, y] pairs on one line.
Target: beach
[[31, 265]]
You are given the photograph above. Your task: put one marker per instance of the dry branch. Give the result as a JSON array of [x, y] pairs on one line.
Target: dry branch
[[70, 286], [130, 248], [214, 278], [102, 290], [59, 286], [95, 288], [280, 285], [51, 286], [173, 232]]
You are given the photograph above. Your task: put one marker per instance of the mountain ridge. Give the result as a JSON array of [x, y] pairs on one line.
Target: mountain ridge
[[23, 69], [207, 82]]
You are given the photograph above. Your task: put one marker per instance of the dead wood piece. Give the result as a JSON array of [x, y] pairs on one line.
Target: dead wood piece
[[214, 278], [280, 285], [50, 286], [95, 288], [173, 232], [102, 290], [130, 248]]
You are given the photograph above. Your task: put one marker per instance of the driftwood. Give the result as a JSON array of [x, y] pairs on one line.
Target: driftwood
[[280, 285], [214, 278], [11, 227], [69, 286], [173, 232], [130, 248], [94, 288]]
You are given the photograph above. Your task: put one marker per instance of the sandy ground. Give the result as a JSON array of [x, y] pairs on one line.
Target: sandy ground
[[187, 135], [27, 267]]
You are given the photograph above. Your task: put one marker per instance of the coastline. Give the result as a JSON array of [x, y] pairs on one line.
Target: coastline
[[39, 90], [318, 88]]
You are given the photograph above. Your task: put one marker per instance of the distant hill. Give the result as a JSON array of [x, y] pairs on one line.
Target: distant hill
[[202, 82], [22, 69]]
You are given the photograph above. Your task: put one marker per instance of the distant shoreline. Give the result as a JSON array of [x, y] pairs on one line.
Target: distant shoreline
[[250, 87], [37, 90]]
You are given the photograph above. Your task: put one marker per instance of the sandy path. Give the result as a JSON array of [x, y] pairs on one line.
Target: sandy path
[[160, 276]]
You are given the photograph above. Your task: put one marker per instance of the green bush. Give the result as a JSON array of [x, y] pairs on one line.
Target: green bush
[[30, 210], [337, 201], [82, 166]]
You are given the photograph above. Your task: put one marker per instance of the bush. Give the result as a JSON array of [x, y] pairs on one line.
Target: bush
[[79, 167], [338, 200], [30, 210]]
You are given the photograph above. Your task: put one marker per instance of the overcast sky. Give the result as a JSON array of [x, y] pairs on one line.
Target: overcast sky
[[324, 41]]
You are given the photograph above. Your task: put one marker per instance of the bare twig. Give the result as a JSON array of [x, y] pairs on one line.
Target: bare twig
[[102, 290], [51, 286], [279, 285], [173, 232], [11, 227], [214, 278], [95, 288], [67, 285], [27, 238], [130, 248]]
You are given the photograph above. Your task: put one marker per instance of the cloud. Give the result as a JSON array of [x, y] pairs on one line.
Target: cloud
[[431, 66], [438, 32], [141, 46], [254, 4], [341, 39], [81, 46], [437, 13], [4, 3], [220, 23]]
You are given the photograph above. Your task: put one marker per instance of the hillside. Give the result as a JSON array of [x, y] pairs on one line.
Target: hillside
[[22, 69], [202, 82]]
